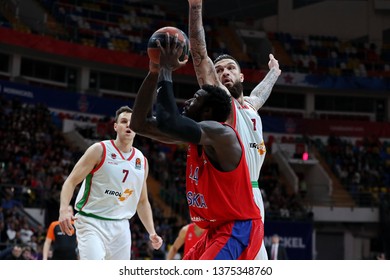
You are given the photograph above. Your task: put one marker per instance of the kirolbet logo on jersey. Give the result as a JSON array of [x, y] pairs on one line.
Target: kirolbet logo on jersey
[[260, 147], [126, 194], [121, 196]]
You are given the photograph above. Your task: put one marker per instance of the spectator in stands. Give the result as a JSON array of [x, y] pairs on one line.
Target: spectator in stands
[[15, 254], [26, 233], [12, 229], [35, 246], [276, 251], [27, 253], [8, 202]]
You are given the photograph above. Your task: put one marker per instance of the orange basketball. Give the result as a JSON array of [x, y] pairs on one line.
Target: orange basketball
[[160, 34]]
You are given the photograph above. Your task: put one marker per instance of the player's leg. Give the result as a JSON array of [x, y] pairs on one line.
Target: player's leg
[[262, 255], [89, 240], [232, 241], [118, 237], [255, 240]]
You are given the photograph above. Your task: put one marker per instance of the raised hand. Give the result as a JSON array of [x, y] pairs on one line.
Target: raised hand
[[273, 63]]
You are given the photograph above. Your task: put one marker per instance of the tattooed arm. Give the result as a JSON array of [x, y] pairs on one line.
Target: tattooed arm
[[204, 66], [263, 90]]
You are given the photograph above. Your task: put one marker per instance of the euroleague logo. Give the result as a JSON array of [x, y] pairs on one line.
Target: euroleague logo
[[138, 163]]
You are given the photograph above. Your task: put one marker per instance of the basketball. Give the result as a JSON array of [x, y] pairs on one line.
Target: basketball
[[160, 34]]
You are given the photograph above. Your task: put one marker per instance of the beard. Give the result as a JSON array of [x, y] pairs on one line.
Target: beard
[[236, 90]]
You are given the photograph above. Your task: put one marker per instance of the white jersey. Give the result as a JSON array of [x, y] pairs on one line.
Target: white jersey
[[250, 128], [111, 191], [248, 124]]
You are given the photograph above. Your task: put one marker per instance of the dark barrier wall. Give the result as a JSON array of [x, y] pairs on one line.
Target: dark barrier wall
[[296, 237]]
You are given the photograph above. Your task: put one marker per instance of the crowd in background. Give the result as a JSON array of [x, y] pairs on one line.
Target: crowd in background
[[34, 162], [36, 159], [362, 166]]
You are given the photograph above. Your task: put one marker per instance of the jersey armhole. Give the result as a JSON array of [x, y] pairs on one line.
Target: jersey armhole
[[234, 113], [103, 159]]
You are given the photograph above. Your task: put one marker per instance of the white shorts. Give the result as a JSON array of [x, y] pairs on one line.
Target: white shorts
[[259, 201], [262, 254], [103, 239]]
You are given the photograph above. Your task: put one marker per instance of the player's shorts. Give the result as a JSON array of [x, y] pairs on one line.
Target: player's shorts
[[237, 240], [258, 198], [103, 239], [262, 255]]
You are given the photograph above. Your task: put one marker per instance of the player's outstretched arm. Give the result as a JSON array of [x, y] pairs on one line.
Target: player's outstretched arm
[[178, 243], [142, 122], [203, 65], [169, 119], [262, 91]]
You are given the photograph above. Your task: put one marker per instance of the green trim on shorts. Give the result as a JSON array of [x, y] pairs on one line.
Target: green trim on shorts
[[255, 184], [96, 217]]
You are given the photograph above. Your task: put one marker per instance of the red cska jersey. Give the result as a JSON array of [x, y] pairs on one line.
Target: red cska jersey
[[191, 238], [215, 197]]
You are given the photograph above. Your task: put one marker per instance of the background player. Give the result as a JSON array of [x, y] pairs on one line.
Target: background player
[[188, 236], [113, 190]]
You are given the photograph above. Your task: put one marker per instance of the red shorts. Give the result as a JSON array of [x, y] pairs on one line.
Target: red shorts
[[238, 240]]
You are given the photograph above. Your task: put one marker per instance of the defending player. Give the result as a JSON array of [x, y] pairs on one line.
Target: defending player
[[225, 72]]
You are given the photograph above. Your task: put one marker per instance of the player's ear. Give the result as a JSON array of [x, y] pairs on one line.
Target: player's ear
[[241, 77]]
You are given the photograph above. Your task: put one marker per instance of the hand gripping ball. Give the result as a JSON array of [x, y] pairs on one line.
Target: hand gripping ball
[[160, 34]]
